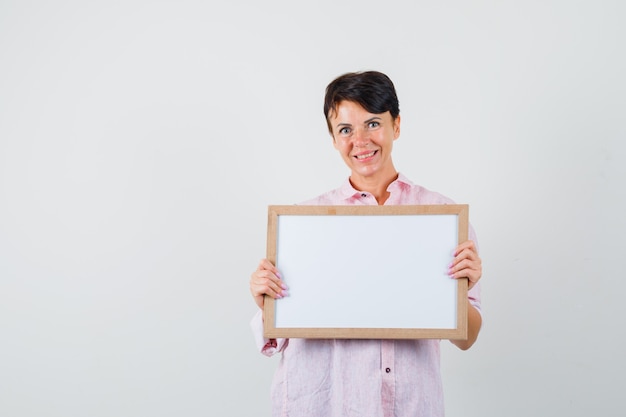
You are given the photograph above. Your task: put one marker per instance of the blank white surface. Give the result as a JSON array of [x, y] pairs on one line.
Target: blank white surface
[[367, 271]]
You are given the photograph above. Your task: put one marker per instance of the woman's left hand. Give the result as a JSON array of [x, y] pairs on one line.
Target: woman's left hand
[[466, 263]]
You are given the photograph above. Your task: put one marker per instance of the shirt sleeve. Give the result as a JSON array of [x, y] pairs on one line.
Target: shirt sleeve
[[266, 346], [473, 295]]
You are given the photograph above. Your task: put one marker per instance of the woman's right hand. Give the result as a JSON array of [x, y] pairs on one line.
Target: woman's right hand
[[266, 280]]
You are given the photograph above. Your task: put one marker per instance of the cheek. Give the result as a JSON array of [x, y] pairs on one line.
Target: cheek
[[340, 147]]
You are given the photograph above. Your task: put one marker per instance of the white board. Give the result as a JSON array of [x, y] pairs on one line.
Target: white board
[[366, 271]]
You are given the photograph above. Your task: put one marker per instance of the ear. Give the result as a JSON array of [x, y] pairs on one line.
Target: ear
[[396, 128]]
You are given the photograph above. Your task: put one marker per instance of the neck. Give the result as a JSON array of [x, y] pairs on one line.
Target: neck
[[375, 185]]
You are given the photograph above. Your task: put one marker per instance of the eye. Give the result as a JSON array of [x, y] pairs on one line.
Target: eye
[[345, 131], [373, 125]]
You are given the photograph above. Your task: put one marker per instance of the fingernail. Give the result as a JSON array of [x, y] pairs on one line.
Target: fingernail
[[279, 275], [284, 293], [284, 287]]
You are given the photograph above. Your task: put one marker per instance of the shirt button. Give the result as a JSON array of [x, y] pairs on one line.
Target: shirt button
[[387, 370]]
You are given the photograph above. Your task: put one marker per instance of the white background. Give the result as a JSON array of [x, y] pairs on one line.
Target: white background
[[141, 142]]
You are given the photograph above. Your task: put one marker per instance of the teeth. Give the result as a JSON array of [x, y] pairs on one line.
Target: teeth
[[365, 155]]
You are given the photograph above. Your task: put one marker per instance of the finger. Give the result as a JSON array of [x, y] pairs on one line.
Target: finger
[[270, 290], [459, 268], [265, 264], [265, 275], [266, 282], [468, 245], [472, 278], [465, 253], [267, 288], [465, 264], [472, 272]]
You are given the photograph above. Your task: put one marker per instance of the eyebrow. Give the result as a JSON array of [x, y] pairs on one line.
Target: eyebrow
[[371, 119]]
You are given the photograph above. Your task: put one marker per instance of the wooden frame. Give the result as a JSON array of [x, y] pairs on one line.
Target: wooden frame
[[367, 272]]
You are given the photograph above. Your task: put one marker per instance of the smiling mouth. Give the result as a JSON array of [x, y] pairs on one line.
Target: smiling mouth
[[365, 155]]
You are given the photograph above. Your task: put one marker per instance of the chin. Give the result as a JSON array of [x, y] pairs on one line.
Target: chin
[[365, 171]]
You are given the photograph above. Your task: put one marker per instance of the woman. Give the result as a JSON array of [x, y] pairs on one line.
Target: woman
[[364, 377]]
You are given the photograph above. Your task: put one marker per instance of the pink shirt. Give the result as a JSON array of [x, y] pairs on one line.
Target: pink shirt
[[341, 378]]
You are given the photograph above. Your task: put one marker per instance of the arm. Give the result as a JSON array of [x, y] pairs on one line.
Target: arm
[[267, 347], [474, 322], [266, 281], [467, 264]]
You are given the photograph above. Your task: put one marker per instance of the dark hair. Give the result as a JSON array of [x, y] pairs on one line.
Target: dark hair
[[373, 90]]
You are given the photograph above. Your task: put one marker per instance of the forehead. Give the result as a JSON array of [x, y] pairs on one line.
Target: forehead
[[354, 112]]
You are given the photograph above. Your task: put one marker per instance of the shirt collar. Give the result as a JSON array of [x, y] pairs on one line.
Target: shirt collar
[[347, 191]]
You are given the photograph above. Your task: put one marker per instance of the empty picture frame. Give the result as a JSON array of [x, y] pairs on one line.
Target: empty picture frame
[[367, 272]]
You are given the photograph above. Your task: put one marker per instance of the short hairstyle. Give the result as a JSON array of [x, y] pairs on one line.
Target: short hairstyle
[[373, 90]]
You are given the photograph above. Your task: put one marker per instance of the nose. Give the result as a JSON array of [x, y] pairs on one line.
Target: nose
[[361, 138]]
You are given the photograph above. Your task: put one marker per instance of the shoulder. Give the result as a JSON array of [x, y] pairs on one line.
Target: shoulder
[[337, 196], [329, 198], [417, 194], [427, 196]]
